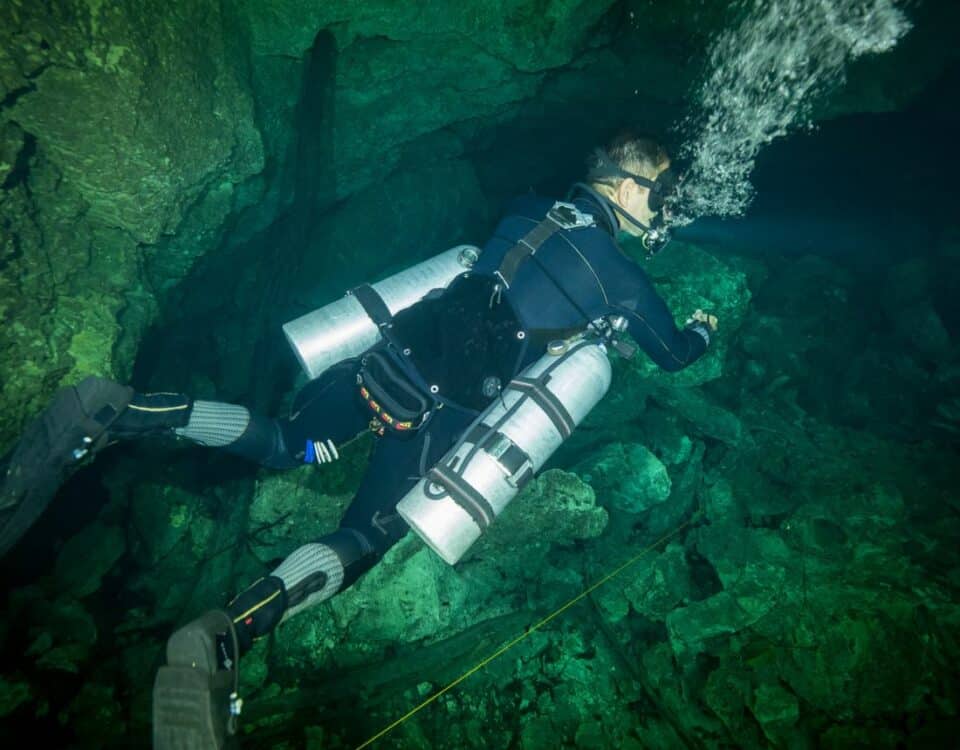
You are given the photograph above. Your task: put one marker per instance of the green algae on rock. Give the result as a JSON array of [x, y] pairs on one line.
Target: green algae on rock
[[154, 154]]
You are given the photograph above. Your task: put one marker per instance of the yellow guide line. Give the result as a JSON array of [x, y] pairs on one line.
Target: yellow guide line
[[502, 650]]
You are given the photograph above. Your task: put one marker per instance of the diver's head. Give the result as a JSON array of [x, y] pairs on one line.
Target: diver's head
[[633, 174]]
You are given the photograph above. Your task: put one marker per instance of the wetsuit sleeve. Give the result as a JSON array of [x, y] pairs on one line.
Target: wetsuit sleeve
[[651, 325]]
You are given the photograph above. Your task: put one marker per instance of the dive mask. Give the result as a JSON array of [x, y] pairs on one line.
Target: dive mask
[[656, 236], [661, 189]]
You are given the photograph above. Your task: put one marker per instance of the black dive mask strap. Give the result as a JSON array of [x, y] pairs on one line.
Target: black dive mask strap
[[660, 189]]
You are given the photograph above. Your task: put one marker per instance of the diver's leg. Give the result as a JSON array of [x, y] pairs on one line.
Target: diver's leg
[[190, 708], [326, 414], [314, 572], [309, 575], [203, 652], [214, 424], [371, 525], [81, 420], [235, 429]]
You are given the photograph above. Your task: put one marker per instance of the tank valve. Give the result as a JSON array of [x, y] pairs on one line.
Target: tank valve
[[467, 257]]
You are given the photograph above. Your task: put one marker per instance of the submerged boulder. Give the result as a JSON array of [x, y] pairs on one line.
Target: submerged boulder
[[627, 477], [690, 278], [289, 509], [665, 584], [13, 694], [555, 508]]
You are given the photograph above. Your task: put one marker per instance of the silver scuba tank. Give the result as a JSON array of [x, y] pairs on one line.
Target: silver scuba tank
[[343, 329], [462, 495]]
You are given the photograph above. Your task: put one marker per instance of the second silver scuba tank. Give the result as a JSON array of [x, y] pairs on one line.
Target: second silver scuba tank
[[343, 329], [462, 495]]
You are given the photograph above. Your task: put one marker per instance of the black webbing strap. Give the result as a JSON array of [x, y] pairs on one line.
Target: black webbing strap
[[463, 495], [512, 460], [527, 246], [550, 404], [372, 304], [480, 433], [516, 463]]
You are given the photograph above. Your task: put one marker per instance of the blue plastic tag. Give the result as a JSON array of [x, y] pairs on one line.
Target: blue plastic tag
[[310, 455]]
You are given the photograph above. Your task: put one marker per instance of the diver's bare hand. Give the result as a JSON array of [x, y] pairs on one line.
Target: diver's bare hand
[[701, 317]]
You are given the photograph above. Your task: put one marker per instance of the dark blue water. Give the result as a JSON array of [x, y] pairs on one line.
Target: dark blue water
[[862, 189]]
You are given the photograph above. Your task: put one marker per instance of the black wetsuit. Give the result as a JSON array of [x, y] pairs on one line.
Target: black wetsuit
[[597, 280]]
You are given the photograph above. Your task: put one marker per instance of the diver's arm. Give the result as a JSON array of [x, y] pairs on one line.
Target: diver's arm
[[651, 325]]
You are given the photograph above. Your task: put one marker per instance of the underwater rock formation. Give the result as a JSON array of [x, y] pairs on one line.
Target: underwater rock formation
[[143, 143], [176, 180], [119, 123]]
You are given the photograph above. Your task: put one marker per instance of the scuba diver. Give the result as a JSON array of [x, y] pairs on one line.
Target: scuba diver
[[552, 282]]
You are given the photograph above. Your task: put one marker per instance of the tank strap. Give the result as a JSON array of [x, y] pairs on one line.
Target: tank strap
[[536, 389], [514, 461], [372, 304], [463, 494]]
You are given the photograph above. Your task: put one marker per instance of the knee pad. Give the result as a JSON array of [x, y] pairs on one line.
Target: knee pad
[[215, 424], [234, 429], [317, 571]]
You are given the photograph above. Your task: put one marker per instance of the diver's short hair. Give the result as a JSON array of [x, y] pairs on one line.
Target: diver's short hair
[[629, 152]]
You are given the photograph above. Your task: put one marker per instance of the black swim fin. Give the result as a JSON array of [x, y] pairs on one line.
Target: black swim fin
[[195, 701], [73, 427]]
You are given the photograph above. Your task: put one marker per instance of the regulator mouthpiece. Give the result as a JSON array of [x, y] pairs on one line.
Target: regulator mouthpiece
[[655, 240]]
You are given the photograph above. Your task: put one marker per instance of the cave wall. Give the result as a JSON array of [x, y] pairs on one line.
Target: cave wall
[[150, 152], [178, 180], [124, 125]]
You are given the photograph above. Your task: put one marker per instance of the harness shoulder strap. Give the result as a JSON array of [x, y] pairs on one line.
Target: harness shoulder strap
[[560, 216], [527, 246]]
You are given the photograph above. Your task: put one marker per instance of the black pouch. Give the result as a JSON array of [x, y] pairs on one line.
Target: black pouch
[[395, 401]]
